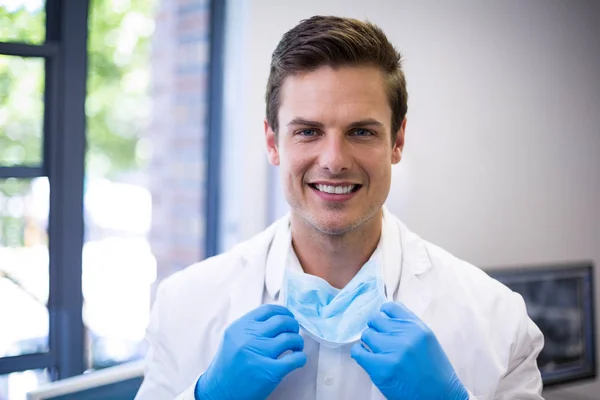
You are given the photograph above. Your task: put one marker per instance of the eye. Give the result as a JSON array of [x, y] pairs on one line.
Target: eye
[[307, 132], [362, 132]]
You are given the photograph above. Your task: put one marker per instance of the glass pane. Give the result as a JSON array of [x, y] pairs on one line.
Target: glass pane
[[15, 386], [24, 282], [23, 21], [119, 266], [21, 110]]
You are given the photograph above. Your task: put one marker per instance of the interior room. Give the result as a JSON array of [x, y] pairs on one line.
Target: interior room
[[133, 146]]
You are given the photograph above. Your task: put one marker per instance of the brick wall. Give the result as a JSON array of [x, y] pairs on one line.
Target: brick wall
[[178, 133]]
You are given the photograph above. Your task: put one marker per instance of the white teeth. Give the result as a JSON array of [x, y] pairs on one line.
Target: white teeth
[[335, 189]]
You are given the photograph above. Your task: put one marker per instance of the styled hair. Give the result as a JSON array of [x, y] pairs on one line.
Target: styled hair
[[336, 42]]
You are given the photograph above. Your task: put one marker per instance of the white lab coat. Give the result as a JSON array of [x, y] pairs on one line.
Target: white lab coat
[[482, 325]]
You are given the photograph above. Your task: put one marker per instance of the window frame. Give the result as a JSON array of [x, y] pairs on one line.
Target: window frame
[[63, 160], [218, 9]]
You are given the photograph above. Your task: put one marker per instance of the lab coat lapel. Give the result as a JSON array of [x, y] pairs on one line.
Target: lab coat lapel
[[247, 292], [406, 260], [414, 293], [392, 254]]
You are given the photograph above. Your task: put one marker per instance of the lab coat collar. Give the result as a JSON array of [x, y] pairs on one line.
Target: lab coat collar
[[247, 292], [394, 254], [276, 257], [415, 290]]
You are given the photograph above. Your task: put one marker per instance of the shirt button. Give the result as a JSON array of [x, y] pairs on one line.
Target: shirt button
[[329, 380]]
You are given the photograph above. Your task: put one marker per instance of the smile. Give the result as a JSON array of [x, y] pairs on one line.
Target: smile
[[335, 189]]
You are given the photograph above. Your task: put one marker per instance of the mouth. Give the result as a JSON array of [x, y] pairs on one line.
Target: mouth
[[339, 190]]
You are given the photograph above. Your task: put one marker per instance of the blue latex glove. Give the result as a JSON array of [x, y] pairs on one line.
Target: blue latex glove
[[406, 361], [248, 363]]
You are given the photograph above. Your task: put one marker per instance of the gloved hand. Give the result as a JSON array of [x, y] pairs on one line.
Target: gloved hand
[[406, 361], [248, 363]]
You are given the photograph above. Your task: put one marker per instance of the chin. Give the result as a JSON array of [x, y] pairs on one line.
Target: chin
[[334, 229], [334, 225]]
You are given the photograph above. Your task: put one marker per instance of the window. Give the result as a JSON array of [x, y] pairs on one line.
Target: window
[[41, 164], [108, 151]]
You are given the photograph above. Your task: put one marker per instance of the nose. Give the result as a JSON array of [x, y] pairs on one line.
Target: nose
[[335, 154]]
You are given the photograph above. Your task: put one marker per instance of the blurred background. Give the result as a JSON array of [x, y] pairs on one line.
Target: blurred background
[[131, 146]]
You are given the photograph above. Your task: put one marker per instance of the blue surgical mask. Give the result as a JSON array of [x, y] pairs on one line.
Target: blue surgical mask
[[333, 316]]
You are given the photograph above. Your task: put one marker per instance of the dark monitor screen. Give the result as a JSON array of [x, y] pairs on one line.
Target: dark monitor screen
[[560, 300]]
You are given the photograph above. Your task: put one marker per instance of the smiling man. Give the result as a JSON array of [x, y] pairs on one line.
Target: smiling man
[[331, 137], [338, 300]]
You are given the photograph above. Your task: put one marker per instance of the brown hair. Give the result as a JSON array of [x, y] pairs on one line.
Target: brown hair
[[335, 42]]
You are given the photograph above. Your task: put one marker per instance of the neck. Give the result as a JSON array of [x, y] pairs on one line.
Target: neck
[[335, 258]]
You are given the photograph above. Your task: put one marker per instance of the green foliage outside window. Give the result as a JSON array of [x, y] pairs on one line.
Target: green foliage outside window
[[117, 105], [117, 100]]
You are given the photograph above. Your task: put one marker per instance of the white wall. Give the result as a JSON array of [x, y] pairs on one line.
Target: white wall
[[502, 157]]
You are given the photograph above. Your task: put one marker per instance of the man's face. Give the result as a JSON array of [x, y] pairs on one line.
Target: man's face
[[334, 146]]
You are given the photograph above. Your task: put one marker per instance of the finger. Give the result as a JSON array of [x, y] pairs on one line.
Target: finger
[[390, 312], [384, 324], [279, 324], [380, 322], [401, 318], [266, 311], [287, 363], [278, 345], [397, 310], [374, 340], [363, 357]]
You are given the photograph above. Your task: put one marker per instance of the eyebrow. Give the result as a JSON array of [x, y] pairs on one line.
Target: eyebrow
[[315, 124]]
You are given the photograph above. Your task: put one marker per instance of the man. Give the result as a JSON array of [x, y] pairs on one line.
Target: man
[[338, 300]]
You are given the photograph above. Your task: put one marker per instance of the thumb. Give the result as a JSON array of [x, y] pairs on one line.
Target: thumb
[[363, 357], [288, 362]]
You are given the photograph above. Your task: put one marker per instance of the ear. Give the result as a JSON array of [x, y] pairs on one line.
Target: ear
[[398, 144], [271, 140]]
